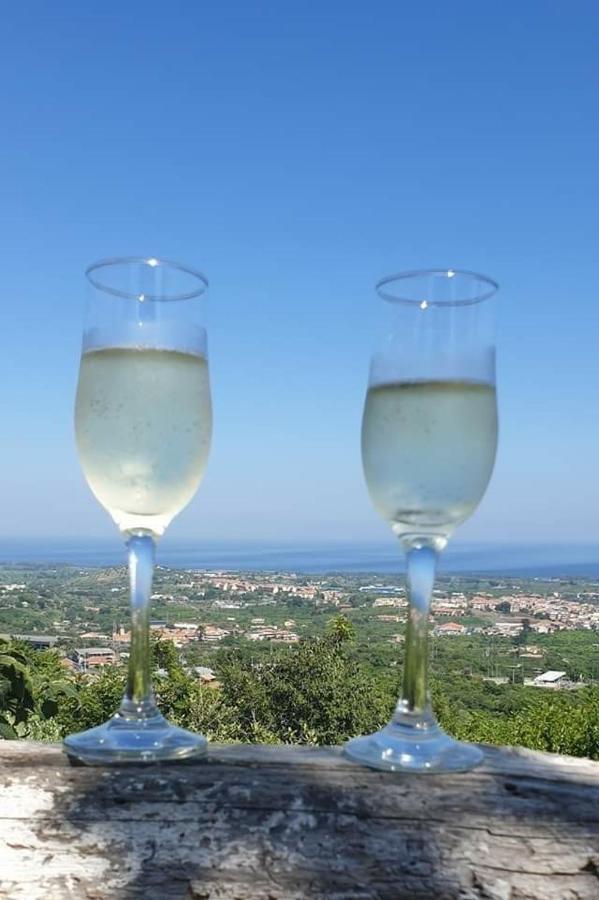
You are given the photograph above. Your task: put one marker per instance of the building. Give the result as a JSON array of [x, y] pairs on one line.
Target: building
[[37, 641], [531, 651], [507, 629], [121, 635], [452, 629], [271, 633], [543, 627], [447, 609], [205, 674], [387, 601], [214, 633], [551, 679], [88, 658], [262, 633], [287, 637], [69, 664]]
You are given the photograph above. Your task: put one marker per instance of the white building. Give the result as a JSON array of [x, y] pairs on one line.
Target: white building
[[550, 679]]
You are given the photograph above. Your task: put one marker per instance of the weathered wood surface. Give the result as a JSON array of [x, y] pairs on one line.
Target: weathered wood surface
[[296, 824]]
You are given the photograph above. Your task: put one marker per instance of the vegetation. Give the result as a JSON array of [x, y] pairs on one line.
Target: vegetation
[[16, 691], [322, 690], [342, 678]]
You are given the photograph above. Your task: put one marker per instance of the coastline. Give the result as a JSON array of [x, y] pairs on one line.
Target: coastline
[[526, 560]]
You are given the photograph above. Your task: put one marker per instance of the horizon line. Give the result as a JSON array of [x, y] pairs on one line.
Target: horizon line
[[298, 543]]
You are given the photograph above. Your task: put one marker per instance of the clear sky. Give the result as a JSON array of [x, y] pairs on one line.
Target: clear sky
[[297, 151]]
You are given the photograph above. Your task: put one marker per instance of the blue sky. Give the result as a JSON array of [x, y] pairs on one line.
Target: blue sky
[[297, 151]]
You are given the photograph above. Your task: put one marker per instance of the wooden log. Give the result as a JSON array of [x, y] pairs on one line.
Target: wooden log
[[283, 823]]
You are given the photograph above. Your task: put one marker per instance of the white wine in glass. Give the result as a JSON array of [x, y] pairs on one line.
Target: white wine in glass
[[428, 449], [143, 460], [429, 438], [143, 423]]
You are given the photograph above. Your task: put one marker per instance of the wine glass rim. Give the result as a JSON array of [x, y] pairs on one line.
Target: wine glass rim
[[490, 287], [152, 262]]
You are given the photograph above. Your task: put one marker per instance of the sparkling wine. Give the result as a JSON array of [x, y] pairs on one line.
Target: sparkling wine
[[143, 422], [428, 449]]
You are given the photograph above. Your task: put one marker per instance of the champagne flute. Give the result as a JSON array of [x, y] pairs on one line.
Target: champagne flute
[[143, 422], [429, 438]]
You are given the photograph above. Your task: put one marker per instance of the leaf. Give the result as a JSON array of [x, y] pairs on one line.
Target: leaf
[[7, 732]]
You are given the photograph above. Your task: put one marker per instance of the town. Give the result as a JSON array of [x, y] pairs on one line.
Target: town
[[83, 613]]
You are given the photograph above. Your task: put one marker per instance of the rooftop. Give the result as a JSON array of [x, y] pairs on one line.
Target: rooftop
[[550, 676], [49, 639]]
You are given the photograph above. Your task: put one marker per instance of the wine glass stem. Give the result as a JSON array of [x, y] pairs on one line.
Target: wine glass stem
[[139, 699], [415, 700]]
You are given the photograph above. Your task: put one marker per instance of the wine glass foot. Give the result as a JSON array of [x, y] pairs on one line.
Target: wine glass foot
[[399, 748], [127, 740]]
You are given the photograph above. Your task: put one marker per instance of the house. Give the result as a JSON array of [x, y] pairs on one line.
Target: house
[[205, 674], [287, 637], [447, 609], [531, 651], [88, 658], [450, 628], [507, 629], [214, 633]]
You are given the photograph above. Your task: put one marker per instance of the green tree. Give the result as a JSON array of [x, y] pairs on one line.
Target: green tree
[[521, 639], [340, 630], [93, 702], [16, 691], [52, 684], [166, 656], [201, 708], [315, 692]]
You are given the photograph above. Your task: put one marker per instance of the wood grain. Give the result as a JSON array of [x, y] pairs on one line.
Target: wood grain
[[285, 823]]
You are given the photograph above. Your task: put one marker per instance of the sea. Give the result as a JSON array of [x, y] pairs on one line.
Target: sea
[[542, 560]]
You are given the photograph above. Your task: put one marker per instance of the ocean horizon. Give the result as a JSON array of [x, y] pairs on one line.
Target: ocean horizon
[[533, 560]]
